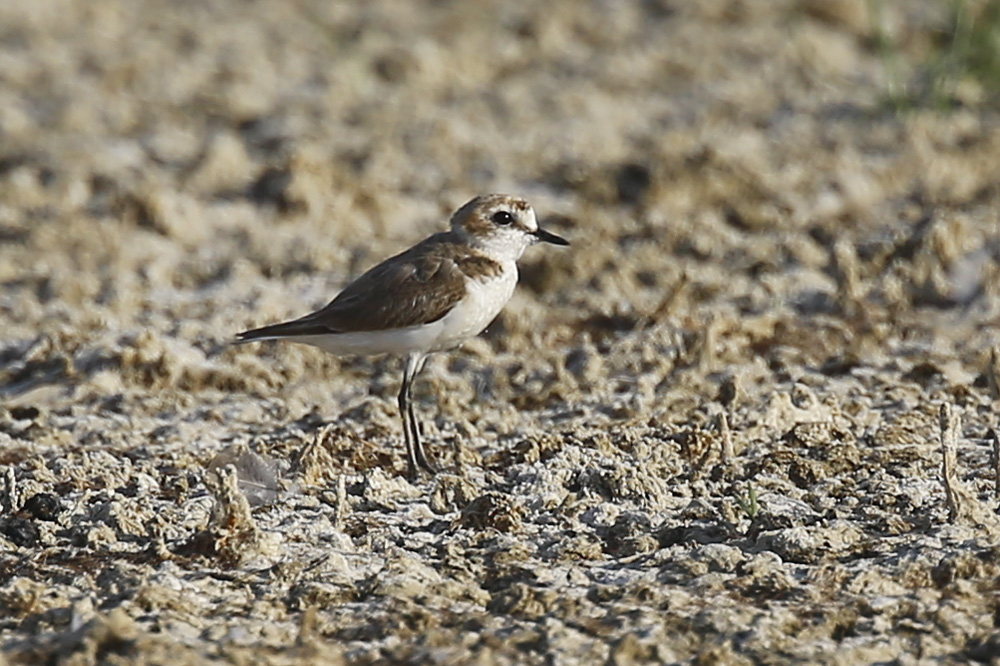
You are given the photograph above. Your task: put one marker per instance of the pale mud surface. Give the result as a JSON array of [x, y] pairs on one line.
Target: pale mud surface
[[774, 286]]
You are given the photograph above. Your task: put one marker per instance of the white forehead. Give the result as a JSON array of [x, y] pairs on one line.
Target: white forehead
[[528, 219]]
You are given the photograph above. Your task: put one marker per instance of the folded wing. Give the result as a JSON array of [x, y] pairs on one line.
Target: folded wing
[[416, 287]]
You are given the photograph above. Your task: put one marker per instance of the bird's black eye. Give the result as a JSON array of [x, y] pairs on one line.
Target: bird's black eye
[[502, 218]]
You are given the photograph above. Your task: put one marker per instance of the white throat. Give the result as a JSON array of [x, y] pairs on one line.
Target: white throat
[[505, 244]]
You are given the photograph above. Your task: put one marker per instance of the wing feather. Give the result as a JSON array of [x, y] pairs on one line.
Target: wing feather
[[418, 286]]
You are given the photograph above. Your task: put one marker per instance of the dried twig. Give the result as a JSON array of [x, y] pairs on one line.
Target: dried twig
[[459, 462], [996, 461], [722, 423], [950, 424], [10, 501], [341, 511]]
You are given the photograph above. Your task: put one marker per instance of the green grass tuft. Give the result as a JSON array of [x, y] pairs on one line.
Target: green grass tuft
[[962, 69]]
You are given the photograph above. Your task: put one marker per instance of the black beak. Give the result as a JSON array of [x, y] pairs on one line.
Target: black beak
[[549, 237]]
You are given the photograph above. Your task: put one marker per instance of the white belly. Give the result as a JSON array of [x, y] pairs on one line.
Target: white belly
[[482, 303]]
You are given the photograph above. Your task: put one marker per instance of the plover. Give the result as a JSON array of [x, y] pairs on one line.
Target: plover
[[432, 297]]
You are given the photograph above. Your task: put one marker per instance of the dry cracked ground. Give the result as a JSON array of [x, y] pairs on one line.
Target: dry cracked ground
[[748, 417]]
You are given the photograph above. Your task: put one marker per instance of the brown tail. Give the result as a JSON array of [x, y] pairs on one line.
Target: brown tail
[[288, 329]]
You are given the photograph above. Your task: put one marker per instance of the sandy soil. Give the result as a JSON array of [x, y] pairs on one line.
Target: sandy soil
[[713, 431]]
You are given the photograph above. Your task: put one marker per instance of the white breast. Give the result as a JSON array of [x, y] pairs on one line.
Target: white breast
[[482, 303]]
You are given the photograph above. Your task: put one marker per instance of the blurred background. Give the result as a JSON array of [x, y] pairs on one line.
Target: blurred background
[[164, 163]]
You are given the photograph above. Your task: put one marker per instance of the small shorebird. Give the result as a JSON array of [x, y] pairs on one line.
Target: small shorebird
[[432, 297]]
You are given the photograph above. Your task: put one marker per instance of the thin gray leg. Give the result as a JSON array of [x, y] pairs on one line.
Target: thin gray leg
[[419, 453], [406, 414]]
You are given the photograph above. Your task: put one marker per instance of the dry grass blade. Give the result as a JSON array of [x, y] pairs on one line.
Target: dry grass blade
[[996, 461], [949, 424]]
